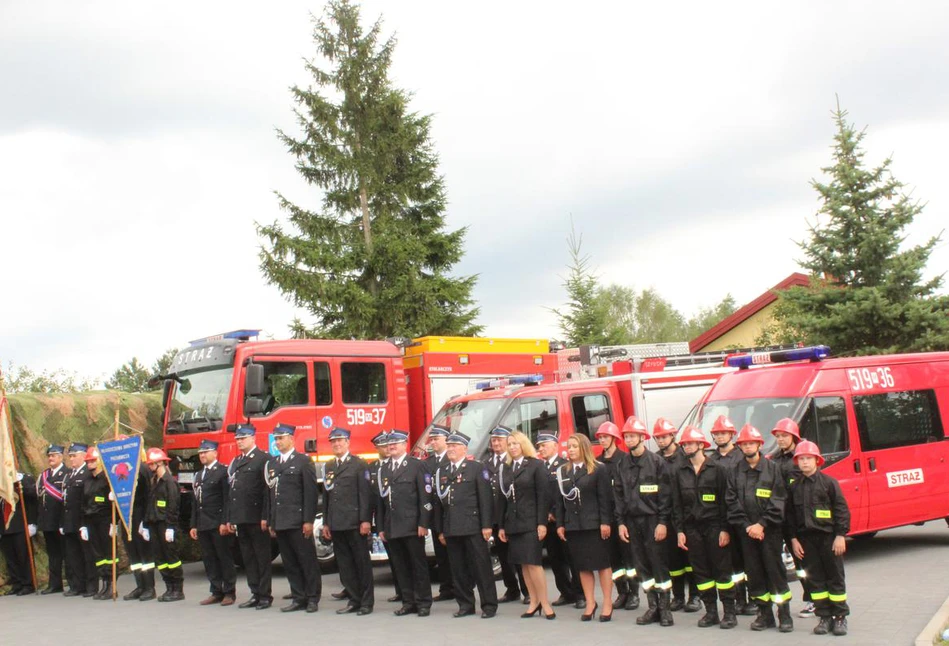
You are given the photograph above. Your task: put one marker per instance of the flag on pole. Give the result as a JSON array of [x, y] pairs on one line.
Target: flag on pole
[[122, 461], [8, 497]]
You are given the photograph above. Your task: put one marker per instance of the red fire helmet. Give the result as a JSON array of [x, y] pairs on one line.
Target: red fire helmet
[[634, 425], [807, 447], [156, 455], [692, 434], [663, 427], [723, 425], [789, 426], [749, 434], [610, 429]]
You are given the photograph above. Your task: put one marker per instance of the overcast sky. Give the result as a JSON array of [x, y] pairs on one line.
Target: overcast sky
[[137, 149]]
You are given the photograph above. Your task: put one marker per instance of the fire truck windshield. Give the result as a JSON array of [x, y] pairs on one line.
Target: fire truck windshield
[[475, 418], [199, 401], [760, 412]]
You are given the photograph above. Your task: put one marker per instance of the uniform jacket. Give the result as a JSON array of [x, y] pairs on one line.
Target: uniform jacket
[[163, 499], [642, 486], [407, 504], [493, 464], [72, 499], [374, 468], [553, 493], [95, 497], [211, 488], [348, 500], [785, 461], [525, 507], [592, 506], [698, 499], [245, 503], [817, 504], [140, 501], [50, 507], [294, 494], [25, 501], [729, 461], [756, 495], [467, 505]]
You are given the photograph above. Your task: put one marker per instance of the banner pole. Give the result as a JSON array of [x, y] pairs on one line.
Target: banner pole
[[115, 530]]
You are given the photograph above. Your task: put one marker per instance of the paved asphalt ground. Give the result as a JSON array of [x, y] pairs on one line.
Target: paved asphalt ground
[[896, 582]]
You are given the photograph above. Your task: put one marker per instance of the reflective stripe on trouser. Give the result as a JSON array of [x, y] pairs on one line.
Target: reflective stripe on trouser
[[648, 555], [711, 564], [767, 577], [825, 573]]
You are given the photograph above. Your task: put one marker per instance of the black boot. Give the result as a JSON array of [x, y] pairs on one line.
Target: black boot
[[665, 612], [148, 585], [632, 600], [106, 591], [729, 620], [139, 587], [173, 591], [710, 618], [622, 592], [785, 623], [678, 593], [744, 605], [765, 618], [824, 626], [840, 625], [651, 615]]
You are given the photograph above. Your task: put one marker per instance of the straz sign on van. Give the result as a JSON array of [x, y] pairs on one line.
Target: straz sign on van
[[904, 478]]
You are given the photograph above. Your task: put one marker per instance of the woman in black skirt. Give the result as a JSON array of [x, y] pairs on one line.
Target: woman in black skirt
[[584, 512], [523, 483]]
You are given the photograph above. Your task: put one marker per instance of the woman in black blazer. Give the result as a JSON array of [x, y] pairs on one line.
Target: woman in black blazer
[[584, 513], [523, 484]]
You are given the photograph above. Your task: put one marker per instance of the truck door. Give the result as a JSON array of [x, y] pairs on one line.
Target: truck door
[[532, 415], [286, 399]]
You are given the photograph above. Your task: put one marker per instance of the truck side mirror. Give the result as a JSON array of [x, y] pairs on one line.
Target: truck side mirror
[[253, 406], [254, 380]]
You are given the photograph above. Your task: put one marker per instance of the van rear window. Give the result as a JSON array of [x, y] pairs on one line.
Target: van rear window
[[895, 419]]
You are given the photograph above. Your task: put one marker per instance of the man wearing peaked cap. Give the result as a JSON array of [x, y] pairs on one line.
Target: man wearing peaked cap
[[438, 458], [566, 578], [49, 490], [80, 568], [209, 528], [463, 515], [290, 510], [381, 442], [245, 516], [513, 579], [347, 521]]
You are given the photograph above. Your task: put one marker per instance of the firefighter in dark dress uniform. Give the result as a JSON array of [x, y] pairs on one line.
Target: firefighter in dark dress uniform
[[209, 528], [756, 499], [139, 551], [97, 526], [381, 442], [291, 510], [347, 521], [80, 568], [161, 519], [511, 575], [437, 459], [406, 489], [49, 493], [621, 556], [13, 538], [463, 525], [566, 577], [245, 516]]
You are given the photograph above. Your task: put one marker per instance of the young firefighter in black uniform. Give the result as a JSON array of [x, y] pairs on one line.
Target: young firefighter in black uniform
[[80, 568], [756, 496], [664, 433], [291, 509], [566, 576], [347, 521], [161, 518], [13, 538], [209, 528], [49, 491], [701, 520], [513, 579], [406, 490], [381, 442], [139, 552], [621, 553], [245, 516], [642, 489], [463, 524], [437, 459], [819, 521], [97, 526]]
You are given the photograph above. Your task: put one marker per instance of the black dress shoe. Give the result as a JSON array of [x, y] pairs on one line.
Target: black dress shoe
[[339, 596], [71, 593], [250, 603], [89, 593], [365, 610], [263, 604], [312, 606], [293, 607], [526, 600], [424, 612], [463, 613], [396, 598], [581, 604], [487, 614], [25, 591], [405, 610], [51, 590], [444, 596], [563, 601], [347, 610], [287, 596], [509, 596]]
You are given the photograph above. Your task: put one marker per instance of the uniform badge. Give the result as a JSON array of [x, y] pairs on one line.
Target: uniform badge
[[486, 475], [428, 488], [428, 478], [427, 506], [368, 476]]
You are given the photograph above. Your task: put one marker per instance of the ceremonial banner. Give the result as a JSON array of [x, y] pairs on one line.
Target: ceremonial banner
[[7, 467], [122, 460]]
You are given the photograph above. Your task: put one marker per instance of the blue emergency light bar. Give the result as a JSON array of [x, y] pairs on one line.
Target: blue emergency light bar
[[743, 361], [240, 335], [526, 380]]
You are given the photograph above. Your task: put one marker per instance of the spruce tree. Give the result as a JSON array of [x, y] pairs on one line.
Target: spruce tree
[[867, 293], [374, 261]]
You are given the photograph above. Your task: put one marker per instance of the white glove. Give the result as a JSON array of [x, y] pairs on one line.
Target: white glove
[[19, 477], [169, 535], [111, 496], [62, 532], [147, 535], [84, 533], [111, 530], [32, 529]]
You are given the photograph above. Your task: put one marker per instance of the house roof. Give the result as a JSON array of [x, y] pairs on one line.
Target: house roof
[[745, 312]]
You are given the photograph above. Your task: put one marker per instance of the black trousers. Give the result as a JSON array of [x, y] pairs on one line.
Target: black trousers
[[137, 548], [395, 579], [711, 564], [566, 578], [355, 566], [298, 554], [738, 559], [80, 571], [764, 567], [411, 569], [218, 562], [825, 572], [254, 544], [678, 562], [17, 557], [471, 565], [801, 572], [54, 550], [442, 567], [165, 555], [621, 556], [649, 555], [101, 544]]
